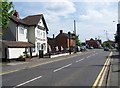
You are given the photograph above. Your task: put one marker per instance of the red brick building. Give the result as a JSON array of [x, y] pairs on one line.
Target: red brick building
[[62, 41], [93, 43], [51, 43]]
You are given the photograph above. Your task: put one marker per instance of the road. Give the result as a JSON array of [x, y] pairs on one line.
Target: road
[[81, 70]]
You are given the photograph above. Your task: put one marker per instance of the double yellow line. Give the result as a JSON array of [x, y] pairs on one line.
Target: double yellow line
[[3, 73], [98, 82]]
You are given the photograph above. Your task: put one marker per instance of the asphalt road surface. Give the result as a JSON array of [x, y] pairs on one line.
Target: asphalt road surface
[[81, 70]]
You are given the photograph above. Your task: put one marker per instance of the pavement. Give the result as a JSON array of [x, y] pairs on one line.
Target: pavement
[[114, 73]]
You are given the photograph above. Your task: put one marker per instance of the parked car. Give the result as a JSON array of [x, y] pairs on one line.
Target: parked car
[[106, 49], [83, 48], [78, 48], [90, 47]]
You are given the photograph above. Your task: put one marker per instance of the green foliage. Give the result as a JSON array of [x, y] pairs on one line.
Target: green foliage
[[7, 9], [107, 44], [20, 58], [116, 38], [78, 41]]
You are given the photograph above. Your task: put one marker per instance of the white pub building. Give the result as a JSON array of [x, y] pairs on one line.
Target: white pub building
[[24, 35]]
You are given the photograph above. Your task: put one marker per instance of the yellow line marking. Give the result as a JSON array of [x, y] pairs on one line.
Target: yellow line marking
[[101, 72], [8, 72], [102, 78], [96, 81]]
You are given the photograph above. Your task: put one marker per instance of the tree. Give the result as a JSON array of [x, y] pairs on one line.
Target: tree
[[7, 9], [107, 44], [116, 38], [77, 41]]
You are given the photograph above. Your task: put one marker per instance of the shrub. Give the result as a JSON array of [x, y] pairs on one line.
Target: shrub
[[20, 58]]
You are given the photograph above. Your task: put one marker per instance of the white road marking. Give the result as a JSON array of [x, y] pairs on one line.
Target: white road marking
[[88, 56], [62, 67], [80, 60], [28, 81]]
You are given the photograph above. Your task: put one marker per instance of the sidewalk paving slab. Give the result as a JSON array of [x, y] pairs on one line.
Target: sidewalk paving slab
[[114, 76]]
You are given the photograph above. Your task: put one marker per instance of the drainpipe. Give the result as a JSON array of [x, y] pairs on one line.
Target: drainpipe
[[54, 43], [69, 43], [17, 32]]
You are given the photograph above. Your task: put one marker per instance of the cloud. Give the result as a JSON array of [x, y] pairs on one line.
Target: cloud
[[89, 30], [94, 0], [52, 10], [92, 14], [51, 18], [96, 18], [99, 16], [59, 9], [61, 1]]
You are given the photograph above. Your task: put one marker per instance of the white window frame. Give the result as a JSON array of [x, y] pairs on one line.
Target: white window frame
[[21, 30], [38, 33], [33, 49], [38, 46], [44, 35]]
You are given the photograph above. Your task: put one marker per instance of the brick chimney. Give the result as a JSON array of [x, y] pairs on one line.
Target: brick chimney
[[61, 31], [16, 14], [53, 36]]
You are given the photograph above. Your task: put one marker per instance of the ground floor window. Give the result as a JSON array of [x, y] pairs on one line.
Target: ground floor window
[[44, 46], [27, 50], [38, 46], [33, 49]]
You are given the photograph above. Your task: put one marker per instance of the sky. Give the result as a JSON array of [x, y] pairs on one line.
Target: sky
[[93, 18]]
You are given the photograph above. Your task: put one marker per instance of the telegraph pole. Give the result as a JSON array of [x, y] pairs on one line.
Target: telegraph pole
[[75, 35]]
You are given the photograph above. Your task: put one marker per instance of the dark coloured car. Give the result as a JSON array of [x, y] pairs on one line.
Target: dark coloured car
[[106, 49], [91, 47]]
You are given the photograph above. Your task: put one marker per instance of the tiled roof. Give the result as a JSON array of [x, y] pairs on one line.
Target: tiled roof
[[17, 44], [71, 35], [17, 20], [30, 20], [49, 38], [34, 19]]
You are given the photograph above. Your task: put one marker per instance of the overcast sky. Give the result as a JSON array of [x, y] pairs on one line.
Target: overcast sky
[[92, 18]]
